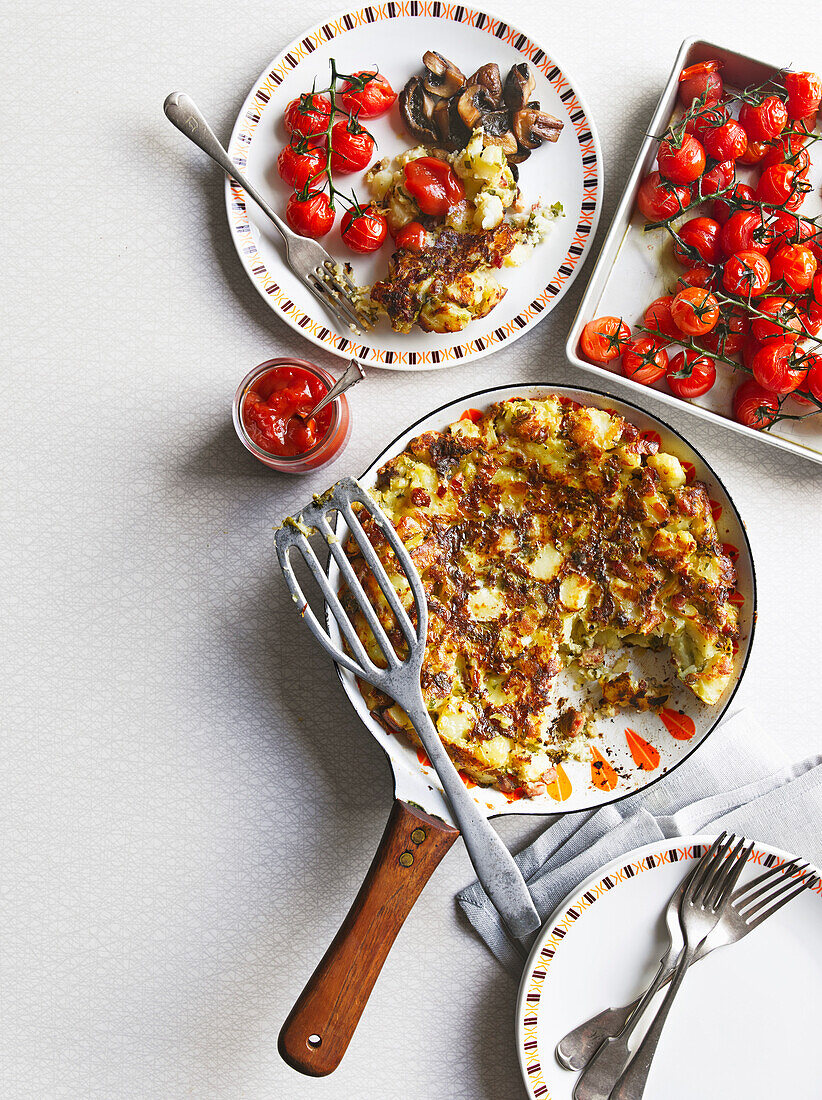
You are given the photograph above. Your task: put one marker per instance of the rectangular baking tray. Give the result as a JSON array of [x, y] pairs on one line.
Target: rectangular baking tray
[[634, 267]]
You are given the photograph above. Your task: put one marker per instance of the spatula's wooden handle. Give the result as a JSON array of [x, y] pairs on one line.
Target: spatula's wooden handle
[[320, 1025]]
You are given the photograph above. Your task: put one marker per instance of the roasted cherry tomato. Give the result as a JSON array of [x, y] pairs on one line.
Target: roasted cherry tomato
[[658, 317], [690, 374], [728, 337], [603, 339], [784, 148], [698, 239], [681, 161], [718, 178], [790, 229], [658, 199], [311, 216], [781, 323], [754, 406], [351, 148], [777, 184], [742, 195], [776, 368], [804, 93], [369, 95], [795, 266], [813, 379], [811, 319], [766, 120], [701, 81], [298, 165], [754, 153], [433, 184], [747, 274], [308, 115], [705, 119], [694, 311], [411, 236], [644, 360], [725, 142], [745, 230], [699, 275], [363, 230]]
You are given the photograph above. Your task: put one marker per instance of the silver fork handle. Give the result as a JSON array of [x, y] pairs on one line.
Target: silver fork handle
[[631, 1085], [576, 1049], [183, 113], [500, 877], [609, 1060]]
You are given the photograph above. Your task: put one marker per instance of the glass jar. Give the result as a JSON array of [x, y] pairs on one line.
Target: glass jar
[[326, 450]]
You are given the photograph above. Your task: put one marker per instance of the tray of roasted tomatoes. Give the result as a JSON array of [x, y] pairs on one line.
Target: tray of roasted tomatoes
[[708, 288]]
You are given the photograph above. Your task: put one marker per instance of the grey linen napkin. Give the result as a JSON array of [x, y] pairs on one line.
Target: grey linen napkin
[[739, 780]]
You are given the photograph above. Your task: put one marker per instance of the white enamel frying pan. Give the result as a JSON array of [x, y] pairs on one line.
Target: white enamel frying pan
[[634, 750]]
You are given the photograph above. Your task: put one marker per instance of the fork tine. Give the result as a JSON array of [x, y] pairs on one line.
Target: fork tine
[[723, 865], [771, 873], [365, 664], [340, 277], [809, 885], [335, 303], [379, 571], [707, 868], [342, 288], [748, 911], [740, 858], [329, 304], [358, 592]]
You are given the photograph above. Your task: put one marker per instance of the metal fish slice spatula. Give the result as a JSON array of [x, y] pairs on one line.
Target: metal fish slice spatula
[[492, 861]]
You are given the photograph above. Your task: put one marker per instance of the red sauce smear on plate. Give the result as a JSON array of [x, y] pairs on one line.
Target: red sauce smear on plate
[[272, 415]]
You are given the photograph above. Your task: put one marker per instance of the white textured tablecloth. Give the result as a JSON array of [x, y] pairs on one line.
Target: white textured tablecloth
[[182, 779]]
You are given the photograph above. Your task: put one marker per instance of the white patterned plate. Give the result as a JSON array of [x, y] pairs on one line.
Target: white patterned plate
[[746, 1020], [395, 36]]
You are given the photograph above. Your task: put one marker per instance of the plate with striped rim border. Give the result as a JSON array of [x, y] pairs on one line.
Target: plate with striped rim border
[[735, 1012], [569, 171]]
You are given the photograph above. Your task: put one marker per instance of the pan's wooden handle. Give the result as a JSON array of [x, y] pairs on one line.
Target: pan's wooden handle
[[320, 1025]]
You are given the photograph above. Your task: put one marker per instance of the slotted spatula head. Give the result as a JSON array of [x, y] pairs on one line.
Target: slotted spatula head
[[319, 519]]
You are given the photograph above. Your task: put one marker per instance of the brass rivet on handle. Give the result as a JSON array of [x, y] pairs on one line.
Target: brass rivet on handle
[[406, 859], [418, 836]]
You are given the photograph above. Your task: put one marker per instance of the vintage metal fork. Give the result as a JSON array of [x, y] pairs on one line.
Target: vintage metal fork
[[779, 885], [492, 861], [320, 272]]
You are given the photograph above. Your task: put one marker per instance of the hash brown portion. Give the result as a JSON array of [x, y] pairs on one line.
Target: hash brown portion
[[543, 531], [447, 285]]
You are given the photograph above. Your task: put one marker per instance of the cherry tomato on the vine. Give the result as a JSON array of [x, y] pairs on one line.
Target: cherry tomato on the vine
[[311, 216], [351, 148], [699, 275], [604, 338], [698, 239], [728, 337], [725, 142], [777, 184], [755, 406], [784, 148], [718, 178], [644, 360], [411, 236], [681, 161], [776, 368], [754, 153], [658, 199], [791, 229], [701, 81], [766, 120], [308, 115], [804, 93], [705, 119], [747, 274], [745, 230], [782, 323], [741, 195], [813, 379], [363, 230], [658, 317], [298, 166], [694, 311], [433, 184], [690, 374], [371, 100], [795, 266]]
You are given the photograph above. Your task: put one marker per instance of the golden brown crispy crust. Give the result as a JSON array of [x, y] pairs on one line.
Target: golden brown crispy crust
[[542, 533], [417, 277]]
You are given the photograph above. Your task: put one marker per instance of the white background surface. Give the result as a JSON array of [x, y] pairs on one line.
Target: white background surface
[[187, 803]]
